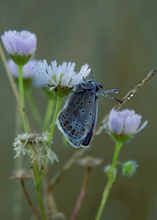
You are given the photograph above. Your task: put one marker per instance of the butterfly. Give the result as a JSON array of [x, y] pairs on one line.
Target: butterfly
[[77, 119]]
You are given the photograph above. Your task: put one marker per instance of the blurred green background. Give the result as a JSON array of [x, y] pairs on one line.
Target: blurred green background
[[118, 39]]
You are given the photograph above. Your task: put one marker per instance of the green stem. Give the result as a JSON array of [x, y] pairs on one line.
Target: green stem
[[38, 181], [11, 81], [39, 174], [10, 78], [111, 179], [22, 97], [33, 106], [48, 115], [116, 154], [58, 105]]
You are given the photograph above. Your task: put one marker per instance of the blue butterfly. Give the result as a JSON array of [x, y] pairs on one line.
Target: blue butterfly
[[77, 119]]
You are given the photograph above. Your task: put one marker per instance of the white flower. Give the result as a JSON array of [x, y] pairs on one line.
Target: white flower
[[35, 146], [62, 75], [20, 144]]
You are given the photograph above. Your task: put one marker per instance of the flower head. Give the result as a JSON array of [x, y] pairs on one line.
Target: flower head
[[124, 124], [90, 161], [35, 146], [61, 76], [129, 168], [21, 174], [20, 45]]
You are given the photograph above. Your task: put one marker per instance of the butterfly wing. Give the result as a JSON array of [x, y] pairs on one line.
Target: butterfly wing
[[78, 117], [89, 136]]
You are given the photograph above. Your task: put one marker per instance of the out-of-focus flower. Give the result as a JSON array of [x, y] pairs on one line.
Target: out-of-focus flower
[[21, 174], [61, 77], [124, 124], [90, 161], [27, 71], [20, 45], [129, 168]]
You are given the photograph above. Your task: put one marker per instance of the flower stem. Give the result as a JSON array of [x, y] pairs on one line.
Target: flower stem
[[116, 154], [111, 179], [21, 87], [10, 78], [58, 105], [33, 106], [37, 181], [11, 81], [49, 112]]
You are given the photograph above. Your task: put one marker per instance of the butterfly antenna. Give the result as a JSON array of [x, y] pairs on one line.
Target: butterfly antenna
[[113, 98], [110, 91]]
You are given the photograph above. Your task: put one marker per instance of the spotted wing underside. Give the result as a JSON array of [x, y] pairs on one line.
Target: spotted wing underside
[[77, 119]]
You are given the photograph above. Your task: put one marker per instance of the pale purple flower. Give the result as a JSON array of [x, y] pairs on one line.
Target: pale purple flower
[[27, 71], [125, 122], [62, 75], [19, 43]]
